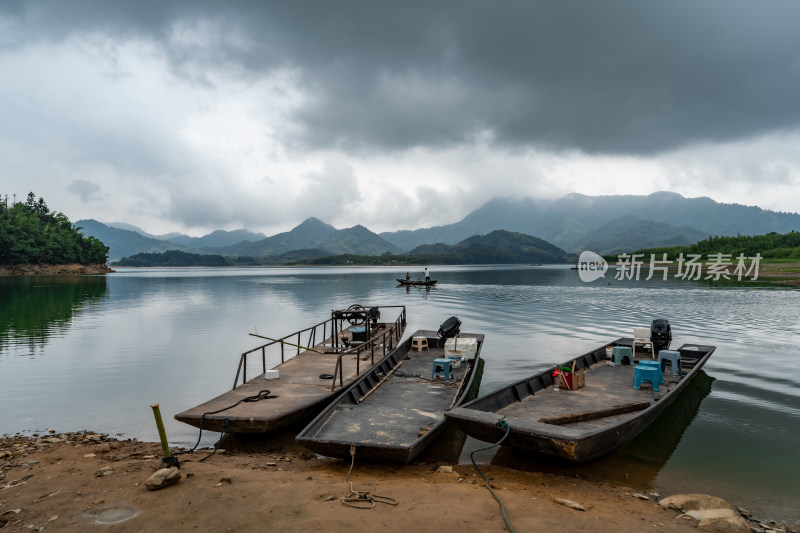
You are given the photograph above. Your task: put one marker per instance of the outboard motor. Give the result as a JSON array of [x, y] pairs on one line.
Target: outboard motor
[[450, 328], [374, 315], [660, 334]]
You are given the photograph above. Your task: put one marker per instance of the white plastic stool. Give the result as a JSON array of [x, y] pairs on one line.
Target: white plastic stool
[[419, 343]]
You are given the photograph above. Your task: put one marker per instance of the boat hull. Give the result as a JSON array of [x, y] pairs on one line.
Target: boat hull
[[430, 283]]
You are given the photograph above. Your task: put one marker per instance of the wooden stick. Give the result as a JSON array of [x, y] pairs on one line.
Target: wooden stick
[[593, 415], [458, 392], [378, 384], [286, 342]]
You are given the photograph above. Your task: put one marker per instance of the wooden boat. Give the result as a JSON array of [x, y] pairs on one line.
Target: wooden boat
[[395, 411], [314, 366], [583, 424], [417, 282]]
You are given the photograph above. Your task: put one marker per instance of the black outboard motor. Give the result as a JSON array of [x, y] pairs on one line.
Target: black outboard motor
[[660, 334], [450, 328], [374, 315]]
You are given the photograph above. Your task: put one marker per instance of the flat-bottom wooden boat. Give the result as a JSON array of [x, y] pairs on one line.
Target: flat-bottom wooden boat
[[410, 282], [583, 424], [396, 410], [315, 366]]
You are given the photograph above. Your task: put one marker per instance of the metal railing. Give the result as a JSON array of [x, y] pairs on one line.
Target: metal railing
[[390, 336]]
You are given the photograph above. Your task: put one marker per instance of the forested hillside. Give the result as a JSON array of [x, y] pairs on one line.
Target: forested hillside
[[32, 234], [773, 245]]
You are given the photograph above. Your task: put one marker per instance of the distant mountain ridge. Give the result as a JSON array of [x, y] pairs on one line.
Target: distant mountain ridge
[[576, 221], [218, 238], [124, 243], [312, 237], [496, 247]]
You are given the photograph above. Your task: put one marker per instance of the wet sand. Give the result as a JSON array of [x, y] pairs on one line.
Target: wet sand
[[85, 482]]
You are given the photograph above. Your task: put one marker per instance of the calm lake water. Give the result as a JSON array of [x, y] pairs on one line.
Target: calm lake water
[[95, 352]]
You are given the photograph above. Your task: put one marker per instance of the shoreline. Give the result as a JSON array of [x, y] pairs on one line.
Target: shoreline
[[69, 269], [72, 481]]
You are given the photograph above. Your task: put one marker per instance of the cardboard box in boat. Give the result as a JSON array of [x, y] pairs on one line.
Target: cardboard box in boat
[[465, 348]]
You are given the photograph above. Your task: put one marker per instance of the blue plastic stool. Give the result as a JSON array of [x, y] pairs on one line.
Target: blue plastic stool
[[645, 373], [441, 367], [619, 353], [656, 365], [674, 357]]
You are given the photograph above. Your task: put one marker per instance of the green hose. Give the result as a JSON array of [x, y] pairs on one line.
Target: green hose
[[503, 424]]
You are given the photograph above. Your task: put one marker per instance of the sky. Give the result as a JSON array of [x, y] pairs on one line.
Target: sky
[[198, 115]]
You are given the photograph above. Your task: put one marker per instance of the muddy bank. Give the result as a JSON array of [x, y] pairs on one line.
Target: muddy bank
[[72, 269], [84, 481]]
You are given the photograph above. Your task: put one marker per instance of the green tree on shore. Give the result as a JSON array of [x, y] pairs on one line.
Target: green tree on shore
[[32, 234]]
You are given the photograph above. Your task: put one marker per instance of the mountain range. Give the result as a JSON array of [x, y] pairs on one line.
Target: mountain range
[[576, 222], [607, 224]]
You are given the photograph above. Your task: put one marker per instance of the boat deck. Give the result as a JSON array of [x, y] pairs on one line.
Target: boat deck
[[297, 391], [406, 405], [606, 387]]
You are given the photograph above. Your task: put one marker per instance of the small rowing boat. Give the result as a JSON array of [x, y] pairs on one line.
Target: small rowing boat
[[412, 282]]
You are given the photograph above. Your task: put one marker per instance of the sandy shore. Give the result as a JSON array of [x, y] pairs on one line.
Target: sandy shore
[[84, 482]]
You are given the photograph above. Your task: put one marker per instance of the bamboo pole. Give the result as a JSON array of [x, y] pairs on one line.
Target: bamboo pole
[[162, 434]]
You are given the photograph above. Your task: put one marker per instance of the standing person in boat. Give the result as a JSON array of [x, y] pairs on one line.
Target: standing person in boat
[[427, 274], [408, 276]]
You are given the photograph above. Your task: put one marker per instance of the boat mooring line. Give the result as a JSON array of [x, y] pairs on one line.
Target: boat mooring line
[[262, 395], [362, 499], [503, 424]]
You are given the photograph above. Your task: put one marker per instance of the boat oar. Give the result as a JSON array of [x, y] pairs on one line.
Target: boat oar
[[286, 342]]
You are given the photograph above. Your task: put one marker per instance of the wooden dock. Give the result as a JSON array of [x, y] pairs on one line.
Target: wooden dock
[[312, 376]]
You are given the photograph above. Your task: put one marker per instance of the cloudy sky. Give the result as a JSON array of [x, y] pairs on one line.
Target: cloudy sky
[[199, 115]]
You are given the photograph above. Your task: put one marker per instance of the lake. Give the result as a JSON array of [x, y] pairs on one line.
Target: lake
[[95, 352]]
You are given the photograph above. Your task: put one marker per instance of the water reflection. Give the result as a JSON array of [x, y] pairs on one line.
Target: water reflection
[[35, 308]]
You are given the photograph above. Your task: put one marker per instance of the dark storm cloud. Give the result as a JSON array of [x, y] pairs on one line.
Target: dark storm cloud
[[611, 76]]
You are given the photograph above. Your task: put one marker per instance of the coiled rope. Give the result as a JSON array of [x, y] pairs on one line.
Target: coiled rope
[[503, 424]]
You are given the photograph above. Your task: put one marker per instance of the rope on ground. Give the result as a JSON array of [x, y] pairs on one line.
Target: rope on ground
[[262, 395], [503, 424], [362, 499]]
